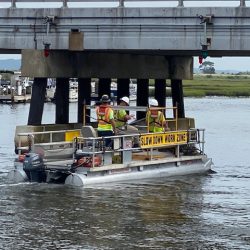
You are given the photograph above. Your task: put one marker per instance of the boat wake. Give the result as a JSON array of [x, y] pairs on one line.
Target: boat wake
[[7, 184]]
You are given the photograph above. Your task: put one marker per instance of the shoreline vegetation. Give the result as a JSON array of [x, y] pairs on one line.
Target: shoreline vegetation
[[202, 85], [213, 85]]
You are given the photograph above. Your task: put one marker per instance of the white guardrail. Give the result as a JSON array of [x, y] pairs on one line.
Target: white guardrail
[[180, 3]]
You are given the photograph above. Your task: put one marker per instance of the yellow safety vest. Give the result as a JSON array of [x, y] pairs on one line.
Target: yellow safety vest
[[119, 116], [103, 116], [155, 119]]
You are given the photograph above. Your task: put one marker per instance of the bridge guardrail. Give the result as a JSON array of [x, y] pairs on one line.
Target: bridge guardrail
[[242, 3]]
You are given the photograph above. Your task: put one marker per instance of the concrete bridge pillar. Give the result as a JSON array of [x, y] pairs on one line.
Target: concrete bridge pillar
[[177, 97], [84, 96], [160, 91], [180, 68], [142, 96], [104, 87], [122, 88], [37, 101], [62, 100]]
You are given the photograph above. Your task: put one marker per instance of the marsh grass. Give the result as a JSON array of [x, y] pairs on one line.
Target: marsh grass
[[217, 85], [211, 85]]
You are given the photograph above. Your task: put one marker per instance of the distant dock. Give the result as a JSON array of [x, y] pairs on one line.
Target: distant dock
[[15, 98]]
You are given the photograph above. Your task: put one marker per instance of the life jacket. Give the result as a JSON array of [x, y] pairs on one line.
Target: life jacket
[[155, 118], [103, 116]]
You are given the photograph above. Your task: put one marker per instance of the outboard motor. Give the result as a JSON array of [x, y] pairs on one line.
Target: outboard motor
[[34, 167]]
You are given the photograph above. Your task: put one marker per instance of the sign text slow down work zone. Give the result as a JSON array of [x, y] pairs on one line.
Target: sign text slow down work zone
[[163, 139]]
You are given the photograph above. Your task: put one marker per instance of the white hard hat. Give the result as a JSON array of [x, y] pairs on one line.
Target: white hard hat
[[153, 102], [125, 99]]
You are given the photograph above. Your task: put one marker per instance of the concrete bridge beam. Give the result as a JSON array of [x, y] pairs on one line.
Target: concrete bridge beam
[[181, 67], [122, 88], [165, 31], [105, 65]]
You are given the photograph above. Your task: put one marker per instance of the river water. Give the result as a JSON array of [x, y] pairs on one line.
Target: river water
[[191, 212]]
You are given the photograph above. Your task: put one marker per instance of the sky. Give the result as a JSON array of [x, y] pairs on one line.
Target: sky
[[224, 63]]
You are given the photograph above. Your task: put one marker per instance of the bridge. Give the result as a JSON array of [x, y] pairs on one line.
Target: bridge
[[223, 31], [73, 39]]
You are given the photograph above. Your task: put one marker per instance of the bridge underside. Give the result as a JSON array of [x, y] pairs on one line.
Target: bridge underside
[[63, 65], [105, 65]]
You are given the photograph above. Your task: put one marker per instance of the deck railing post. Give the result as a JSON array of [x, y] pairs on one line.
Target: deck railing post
[[242, 3], [93, 153], [177, 154], [65, 3], [50, 137], [121, 3], [19, 145], [180, 3], [203, 142], [13, 3], [74, 147], [31, 141]]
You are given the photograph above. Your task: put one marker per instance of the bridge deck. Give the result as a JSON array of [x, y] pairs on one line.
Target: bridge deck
[[161, 30]]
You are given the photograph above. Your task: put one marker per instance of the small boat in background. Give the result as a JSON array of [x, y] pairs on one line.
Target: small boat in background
[[17, 90], [51, 90]]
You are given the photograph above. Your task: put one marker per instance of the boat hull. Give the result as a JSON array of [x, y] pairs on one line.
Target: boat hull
[[83, 179], [17, 175]]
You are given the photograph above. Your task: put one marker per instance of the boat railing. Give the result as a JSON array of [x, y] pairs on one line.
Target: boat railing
[[97, 146], [197, 136], [48, 138], [93, 146]]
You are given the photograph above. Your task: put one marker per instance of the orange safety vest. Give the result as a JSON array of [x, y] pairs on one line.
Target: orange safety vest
[[103, 116]]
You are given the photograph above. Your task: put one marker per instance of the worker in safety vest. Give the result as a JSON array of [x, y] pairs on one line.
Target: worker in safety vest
[[121, 118], [105, 117], [155, 118]]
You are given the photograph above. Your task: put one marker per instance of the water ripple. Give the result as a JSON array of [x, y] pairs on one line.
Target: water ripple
[[191, 212]]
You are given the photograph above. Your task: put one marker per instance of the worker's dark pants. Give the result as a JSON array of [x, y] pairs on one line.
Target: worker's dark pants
[[108, 141]]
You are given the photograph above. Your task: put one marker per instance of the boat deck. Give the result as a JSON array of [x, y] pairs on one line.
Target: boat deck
[[138, 159]]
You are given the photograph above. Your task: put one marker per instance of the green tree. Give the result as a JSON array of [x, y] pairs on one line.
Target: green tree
[[207, 67]]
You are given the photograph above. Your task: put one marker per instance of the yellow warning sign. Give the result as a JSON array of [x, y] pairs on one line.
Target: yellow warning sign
[[163, 139], [70, 135]]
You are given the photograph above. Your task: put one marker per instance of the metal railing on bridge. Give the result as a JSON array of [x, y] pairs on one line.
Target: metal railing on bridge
[[180, 3]]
